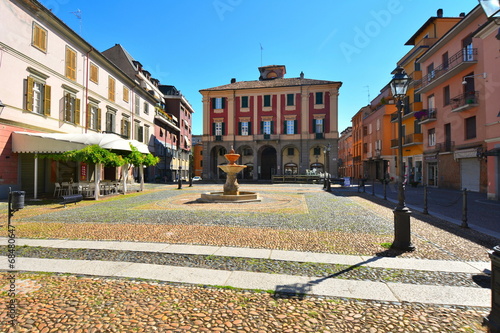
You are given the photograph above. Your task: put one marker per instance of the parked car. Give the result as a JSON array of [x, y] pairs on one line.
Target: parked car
[[196, 178]]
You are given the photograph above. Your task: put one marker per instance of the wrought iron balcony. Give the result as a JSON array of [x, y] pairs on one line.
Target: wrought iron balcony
[[446, 146], [426, 115], [455, 64], [465, 101], [409, 140]]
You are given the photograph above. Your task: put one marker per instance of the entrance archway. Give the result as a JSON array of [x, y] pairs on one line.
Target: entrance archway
[[267, 163]]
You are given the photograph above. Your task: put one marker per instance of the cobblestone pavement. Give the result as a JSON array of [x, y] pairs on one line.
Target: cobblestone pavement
[[290, 217]]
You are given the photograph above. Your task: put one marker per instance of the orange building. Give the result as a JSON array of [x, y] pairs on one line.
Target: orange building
[[346, 166]]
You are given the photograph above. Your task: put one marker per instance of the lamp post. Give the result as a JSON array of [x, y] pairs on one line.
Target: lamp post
[[179, 182], [327, 166], [402, 238]]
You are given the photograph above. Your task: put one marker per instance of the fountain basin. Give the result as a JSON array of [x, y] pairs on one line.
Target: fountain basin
[[221, 197]]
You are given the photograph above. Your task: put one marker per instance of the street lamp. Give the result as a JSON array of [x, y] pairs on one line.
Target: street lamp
[[402, 238], [326, 151], [491, 8]]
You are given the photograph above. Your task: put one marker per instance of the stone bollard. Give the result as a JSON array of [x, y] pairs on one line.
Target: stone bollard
[[493, 319]]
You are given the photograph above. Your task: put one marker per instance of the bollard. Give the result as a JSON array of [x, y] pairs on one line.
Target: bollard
[[493, 319], [464, 210], [385, 189], [373, 186], [425, 200]]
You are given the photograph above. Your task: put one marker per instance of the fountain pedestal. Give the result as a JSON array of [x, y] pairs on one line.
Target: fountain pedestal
[[231, 191]]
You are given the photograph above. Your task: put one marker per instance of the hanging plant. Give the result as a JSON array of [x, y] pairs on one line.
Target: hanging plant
[[91, 154], [137, 158]]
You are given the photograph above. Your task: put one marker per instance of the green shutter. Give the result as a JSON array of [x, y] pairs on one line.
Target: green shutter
[[239, 128], [284, 127], [223, 102], [323, 126], [295, 129], [46, 100], [213, 128], [223, 128], [213, 105], [272, 127], [249, 128], [314, 126], [261, 127]]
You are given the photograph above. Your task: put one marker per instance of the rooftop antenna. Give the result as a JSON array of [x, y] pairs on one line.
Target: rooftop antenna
[[78, 15], [368, 89], [261, 49]]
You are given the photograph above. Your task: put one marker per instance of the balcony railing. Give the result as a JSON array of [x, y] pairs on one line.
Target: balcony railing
[[409, 140], [463, 58], [465, 101], [446, 146], [426, 115]]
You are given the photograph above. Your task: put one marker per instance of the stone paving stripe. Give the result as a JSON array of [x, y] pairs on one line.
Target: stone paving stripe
[[442, 294], [192, 249], [276, 282], [425, 265], [327, 258], [175, 274], [243, 252]]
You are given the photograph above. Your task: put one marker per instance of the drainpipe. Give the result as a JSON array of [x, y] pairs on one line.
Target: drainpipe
[[87, 89]]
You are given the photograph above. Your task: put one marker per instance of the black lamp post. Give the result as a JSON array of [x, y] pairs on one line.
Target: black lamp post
[[402, 238], [179, 183], [327, 166]]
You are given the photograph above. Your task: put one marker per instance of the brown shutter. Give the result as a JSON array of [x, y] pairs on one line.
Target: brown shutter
[[67, 107], [87, 118], [99, 119], [29, 94], [46, 100], [77, 111]]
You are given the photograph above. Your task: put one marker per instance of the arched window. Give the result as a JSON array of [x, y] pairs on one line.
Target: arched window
[[317, 167]]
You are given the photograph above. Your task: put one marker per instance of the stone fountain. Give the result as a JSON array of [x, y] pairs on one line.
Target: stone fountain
[[231, 191]]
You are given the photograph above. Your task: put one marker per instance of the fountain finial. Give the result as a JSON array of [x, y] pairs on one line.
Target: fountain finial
[[232, 150]]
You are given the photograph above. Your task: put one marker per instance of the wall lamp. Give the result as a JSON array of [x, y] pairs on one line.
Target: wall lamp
[[484, 75], [491, 8]]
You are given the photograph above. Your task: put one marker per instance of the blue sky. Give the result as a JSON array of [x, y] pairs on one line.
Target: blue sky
[[197, 44]]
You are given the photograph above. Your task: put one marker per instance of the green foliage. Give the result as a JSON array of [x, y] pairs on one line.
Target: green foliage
[[94, 154]]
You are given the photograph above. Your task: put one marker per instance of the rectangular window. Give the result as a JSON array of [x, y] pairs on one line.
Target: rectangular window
[[244, 101], [94, 73], [111, 88], [319, 98], [318, 126], [39, 38], [37, 96], [267, 100], [266, 127], [431, 137], [218, 103], [290, 126], [470, 128], [70, 64], [125, 128], [290, 99], [218, 128], [110, 122], [126, 94], [146, 134], [146, 108], [430, 72], [446, 95], [71, 108], [137, 105], [317, 151], [244, 128], [139, 132], [94, 117], [290, 151], [430, 102]]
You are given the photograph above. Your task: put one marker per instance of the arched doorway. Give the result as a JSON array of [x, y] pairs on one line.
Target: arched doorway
[[267, 163]]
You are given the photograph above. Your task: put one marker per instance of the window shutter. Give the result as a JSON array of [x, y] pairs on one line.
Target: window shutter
[[29, 94], [141, 134], [213, 128], [77, 111], [261, 127], [223, 104], [272, 127], [295, 129], [285, 129], [249, 128], [323, 126], [99, 120], [314, 126], [87, 118], [223, 128], [213, 105], [239, 128], [67, 107], [46, 100], [122, 126]]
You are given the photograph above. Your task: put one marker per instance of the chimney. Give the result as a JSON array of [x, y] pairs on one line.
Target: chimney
[[233, 80], [462, 14], [440, 12], [301, 75]]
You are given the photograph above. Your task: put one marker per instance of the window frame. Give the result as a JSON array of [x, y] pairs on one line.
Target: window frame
[[431, 137], [39, 38], [94, 73], [266, 101], [93, 116], [290, 99], [244, 102], [470, 128], [319, 96], [70, 63], [71, 108]]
